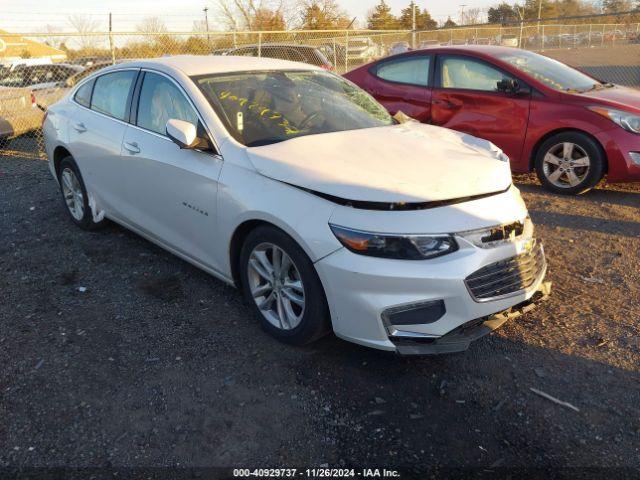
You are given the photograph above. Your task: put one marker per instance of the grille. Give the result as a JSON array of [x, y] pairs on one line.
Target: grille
[[507, 276]]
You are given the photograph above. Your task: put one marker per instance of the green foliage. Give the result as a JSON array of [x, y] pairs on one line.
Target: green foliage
[[450, 23], [502, 13], [381, 18], [423, 19]]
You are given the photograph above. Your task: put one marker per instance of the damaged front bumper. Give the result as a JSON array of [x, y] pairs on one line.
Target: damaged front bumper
[[459, 339]]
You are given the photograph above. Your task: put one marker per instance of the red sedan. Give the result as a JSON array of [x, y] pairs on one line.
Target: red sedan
[[571, 128]]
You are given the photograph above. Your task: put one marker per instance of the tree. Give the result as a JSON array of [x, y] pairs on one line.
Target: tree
[[53, 40], [547, 9], [569, 8], [199, 26], [322, 15], [502, 13], [265, 19], [615, 6], [84, 25], [472, 16], [253, 14], [381, 18], [423, 19], [449, 23], [151, 25]]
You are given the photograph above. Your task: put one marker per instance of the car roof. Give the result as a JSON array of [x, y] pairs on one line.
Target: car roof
[[287, 45], [210, 64], [489, 50]]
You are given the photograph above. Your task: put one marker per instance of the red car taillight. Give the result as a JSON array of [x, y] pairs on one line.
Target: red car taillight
[[33, 100]]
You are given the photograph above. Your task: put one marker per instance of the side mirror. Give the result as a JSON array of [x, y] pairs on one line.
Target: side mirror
[[183, 134], [508, 85]]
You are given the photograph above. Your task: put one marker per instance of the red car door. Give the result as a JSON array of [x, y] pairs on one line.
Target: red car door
[[402, 84], [474, 97]]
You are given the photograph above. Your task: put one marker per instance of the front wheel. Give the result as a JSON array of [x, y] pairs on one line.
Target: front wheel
[[570, 163], [281, 284]]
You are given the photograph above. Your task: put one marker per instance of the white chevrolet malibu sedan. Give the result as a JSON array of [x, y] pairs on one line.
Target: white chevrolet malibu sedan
[[294, 185]]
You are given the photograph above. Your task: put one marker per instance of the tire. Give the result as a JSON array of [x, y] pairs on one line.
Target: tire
[[4, 142], [296, 325], [74, 195], [573, 171]]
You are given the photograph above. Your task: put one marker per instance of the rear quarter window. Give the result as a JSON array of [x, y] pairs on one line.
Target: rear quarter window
[[83, 94]]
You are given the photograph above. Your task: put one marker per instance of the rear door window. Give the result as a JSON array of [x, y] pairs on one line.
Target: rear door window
[[111, 93], [244, 52], [412, 70]]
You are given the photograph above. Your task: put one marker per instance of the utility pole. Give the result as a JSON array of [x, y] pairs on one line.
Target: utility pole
[[521, 15], [206, 23], [539, 14], [111, 46], [462, 14], [413, 25]]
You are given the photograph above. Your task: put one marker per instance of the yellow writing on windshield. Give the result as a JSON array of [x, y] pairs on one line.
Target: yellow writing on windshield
[[261, 112]]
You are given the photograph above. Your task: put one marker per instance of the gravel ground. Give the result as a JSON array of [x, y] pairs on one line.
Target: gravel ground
[[158, 364]]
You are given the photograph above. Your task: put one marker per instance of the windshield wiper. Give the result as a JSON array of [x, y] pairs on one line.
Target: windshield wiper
[[265, 141], [600, 86], [595, 86]]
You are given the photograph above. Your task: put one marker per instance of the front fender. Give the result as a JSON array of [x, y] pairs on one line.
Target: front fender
[[245, 195]]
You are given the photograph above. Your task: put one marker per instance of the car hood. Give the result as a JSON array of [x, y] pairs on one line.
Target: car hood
[[404, 163], [623, 96]]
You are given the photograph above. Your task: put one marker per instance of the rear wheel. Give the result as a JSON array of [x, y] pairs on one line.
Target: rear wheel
[[281, 285], [570, 163], [74, 195]]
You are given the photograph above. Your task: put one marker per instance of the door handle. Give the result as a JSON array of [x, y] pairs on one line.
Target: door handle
[[445, 103], [79, 127], [132, 147]]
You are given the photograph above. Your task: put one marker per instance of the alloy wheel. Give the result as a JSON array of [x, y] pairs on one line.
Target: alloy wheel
[[72, 192], [276, 286], [566, 165]]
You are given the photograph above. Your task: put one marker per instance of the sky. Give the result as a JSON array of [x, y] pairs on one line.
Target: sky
[[32, 15]]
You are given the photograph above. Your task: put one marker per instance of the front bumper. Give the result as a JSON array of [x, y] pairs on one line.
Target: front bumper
[[361, 289], [459, 339], [618, 143]]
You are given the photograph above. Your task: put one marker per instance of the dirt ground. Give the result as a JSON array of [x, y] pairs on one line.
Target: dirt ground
[[158, 364]]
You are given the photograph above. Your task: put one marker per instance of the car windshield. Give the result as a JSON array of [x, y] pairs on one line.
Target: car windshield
[[260, 108], [551, 72]]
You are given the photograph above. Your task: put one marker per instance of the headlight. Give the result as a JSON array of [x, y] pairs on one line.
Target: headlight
[[402, 247], [490, 237], [626, 120]]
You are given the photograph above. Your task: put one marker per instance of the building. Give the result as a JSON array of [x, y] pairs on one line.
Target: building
[[16, 49]]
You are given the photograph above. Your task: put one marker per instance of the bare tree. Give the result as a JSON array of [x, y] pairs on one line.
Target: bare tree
[[321, 15], [199, 26], [53, 40], [252, 14], [472, 16], [84, 25], [151, 25]]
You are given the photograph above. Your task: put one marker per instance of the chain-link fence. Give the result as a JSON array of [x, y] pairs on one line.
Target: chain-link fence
[[36, 70]]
